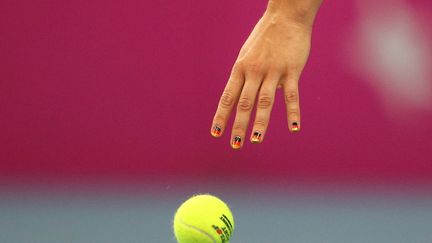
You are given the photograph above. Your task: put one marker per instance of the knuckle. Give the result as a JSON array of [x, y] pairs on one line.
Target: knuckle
[[291, 96], [254, 67], [292, 113], [245, 104], [260, 123], [219, 117], [227, 99], [276, 67], [238, 128], [234, 81], [294, 69], [265, 101], [238, 66]]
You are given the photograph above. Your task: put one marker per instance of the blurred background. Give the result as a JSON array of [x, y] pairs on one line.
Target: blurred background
[[106, 107]]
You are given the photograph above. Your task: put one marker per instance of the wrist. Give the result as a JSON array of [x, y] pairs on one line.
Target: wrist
[[300, 12]]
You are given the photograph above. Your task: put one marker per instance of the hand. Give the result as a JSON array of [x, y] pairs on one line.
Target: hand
[[272, 57]]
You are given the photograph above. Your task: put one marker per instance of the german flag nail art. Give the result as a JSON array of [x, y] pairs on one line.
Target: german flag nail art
[[256, 137], [295, 127], [216, 131], [236, 142]]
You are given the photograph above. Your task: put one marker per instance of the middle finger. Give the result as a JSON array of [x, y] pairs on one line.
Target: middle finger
[[244, 109]]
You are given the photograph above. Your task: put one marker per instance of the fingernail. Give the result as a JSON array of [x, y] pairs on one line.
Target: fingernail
[[295, 127], [236, 142], [256, 137], [216, 131]]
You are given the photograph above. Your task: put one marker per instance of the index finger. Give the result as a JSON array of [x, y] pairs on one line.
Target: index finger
[[227, 101]]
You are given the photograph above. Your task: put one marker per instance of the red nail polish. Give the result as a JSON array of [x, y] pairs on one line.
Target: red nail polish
[[216, 131], [236, 142]]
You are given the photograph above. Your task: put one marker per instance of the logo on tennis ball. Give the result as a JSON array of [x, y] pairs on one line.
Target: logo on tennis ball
[[224, 232]]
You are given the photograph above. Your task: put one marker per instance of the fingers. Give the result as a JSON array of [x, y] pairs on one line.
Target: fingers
[[244, 109], [265, 102], [227, 101], [291, 94], [244, 93]]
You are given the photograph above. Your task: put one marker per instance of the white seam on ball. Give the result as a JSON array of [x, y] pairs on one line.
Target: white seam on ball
[[199, 230]]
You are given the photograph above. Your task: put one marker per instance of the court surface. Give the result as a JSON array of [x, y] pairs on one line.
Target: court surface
[[260, 217]]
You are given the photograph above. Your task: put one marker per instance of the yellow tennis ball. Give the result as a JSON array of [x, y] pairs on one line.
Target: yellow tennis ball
[[203, 219]]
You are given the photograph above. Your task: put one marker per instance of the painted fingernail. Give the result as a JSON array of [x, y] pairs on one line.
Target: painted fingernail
[[295, 127], [236, 142], [256, 137], [216, 131]]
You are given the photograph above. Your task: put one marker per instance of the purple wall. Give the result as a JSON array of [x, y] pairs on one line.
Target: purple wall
[[114, 90]]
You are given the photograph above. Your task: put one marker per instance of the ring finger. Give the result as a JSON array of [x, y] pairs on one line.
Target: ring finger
[[265, 102]]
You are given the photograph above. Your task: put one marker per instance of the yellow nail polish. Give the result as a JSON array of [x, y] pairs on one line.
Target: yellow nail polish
[[295, 127]]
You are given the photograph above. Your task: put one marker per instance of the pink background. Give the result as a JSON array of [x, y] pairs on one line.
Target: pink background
[[123, 91]]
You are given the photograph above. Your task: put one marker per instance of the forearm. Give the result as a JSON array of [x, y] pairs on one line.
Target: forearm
[[299, 11]]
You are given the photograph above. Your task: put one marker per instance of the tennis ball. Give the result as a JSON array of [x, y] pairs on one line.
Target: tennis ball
[[203, 219]]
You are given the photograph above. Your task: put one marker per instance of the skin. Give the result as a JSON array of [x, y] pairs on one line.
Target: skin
[[272, 57]]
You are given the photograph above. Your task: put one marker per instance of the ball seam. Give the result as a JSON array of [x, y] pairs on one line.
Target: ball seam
[[199, 230]]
